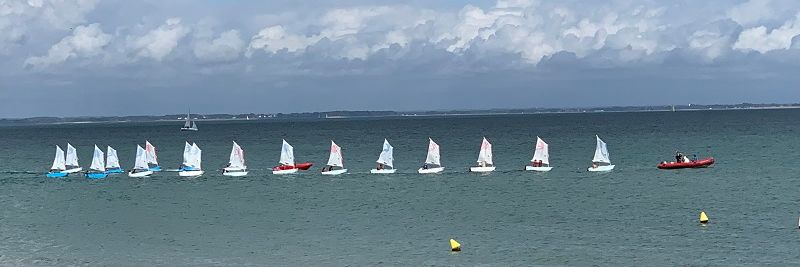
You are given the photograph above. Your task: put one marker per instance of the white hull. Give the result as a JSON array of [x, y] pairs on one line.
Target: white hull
[[140, 174], [384, 171], [335, 172], [431, 170], [601, 168], [538, 169], [190, 173], [74, 170], [289, 171], [481, 169], [234, 174]]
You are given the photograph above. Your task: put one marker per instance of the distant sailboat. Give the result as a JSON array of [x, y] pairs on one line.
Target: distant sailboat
[[236, 166], [288, 166], [72, 160], [59, 165], [334, 160], [112, 161], [385, 159], [140, 167], [192, 157], [541, 157], [433, 162], [485, 163], [98, 168], [601, 161], [151, 157], [189, 125]]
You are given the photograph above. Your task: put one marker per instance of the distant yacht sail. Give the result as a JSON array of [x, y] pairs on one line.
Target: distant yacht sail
[[433, 162], [189, 125], [385, 159]]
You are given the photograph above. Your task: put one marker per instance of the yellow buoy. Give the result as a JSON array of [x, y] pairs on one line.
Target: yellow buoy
[[703, 217], [454, 245]]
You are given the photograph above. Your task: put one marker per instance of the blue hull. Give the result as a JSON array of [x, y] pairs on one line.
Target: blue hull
[[57, 174], [187, 168], [115, 171], [155, 168], [96, 175]]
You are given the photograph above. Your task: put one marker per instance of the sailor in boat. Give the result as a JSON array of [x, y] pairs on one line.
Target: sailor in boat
[[425, 166], [380, 166], [694, 157], [679, 157], [594, 165]]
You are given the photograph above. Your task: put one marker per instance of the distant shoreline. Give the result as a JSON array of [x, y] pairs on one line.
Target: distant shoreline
[[333, 115]]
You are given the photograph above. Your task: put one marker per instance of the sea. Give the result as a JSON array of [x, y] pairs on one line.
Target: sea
[[636, 215]]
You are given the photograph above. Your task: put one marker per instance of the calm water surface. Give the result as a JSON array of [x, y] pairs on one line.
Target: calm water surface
[[635, 215]]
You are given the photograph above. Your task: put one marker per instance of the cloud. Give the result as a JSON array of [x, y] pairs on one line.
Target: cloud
[[161, 41], [762, 40], [227, 47], [85, 41]]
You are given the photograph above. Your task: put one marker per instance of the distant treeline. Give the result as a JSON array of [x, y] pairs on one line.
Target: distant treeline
[[367, 114]]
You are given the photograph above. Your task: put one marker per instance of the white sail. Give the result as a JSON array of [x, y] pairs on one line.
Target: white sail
[[287, 154], [433, 153], [601, 152], [237, 157], [112, 161], [188, 122], [485, 155], [150, 150], [97, 160], [386, 157], [336, 156], [196, 156], [194, 125], [187, 150], [141, 159], [541, 152], [59, 163], [72, 156]]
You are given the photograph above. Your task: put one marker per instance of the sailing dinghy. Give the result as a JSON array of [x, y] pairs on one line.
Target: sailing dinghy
[[112, 161], [433, 162], [150, 157], [541, 157], [385, 160], [334, 161], [140, 167], [191, 166], [72, 160], [98, 168], [601, 161], [236, 165], [59, 165], [189, 125], [484, 158], [287, 161]]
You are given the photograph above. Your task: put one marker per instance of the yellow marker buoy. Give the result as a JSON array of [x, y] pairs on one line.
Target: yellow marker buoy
[[703, 217], [454, 245]]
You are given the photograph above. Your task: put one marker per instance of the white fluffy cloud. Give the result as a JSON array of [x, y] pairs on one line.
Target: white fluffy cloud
[[227, 47], [161, 41], [85, 41], [763, 40]]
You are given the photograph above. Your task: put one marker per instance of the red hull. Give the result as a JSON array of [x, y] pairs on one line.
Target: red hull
[[302, 166], [683, 165]]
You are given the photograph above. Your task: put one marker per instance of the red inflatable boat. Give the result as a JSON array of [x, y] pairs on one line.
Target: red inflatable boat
[[302, 166], [702, 163]]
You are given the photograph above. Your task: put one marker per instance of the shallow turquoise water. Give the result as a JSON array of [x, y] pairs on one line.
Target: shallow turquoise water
[[635, 215]]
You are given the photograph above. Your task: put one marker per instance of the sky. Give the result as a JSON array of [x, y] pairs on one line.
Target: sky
[[148, 57]]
